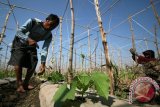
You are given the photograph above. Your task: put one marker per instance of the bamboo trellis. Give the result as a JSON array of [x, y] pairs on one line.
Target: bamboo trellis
[[5, 24], [70, 69], [105, 47]]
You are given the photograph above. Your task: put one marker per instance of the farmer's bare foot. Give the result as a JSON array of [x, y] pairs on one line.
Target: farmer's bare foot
[[20, 89], [30, 87]]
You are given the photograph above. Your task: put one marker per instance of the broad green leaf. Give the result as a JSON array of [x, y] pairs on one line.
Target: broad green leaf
[[83, 82], [101, 83], [71, 93], [84, 79], [60, 93]]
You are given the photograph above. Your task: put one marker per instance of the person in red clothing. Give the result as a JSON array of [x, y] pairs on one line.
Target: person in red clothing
[[148, 56], [145, 91], [150, 63]]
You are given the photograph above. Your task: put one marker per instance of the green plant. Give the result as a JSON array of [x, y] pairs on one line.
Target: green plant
[[124, 79], [2, 74], [5, 74], [82, 56], [55, 77], [82, 82], [115, 75], [12, 74]]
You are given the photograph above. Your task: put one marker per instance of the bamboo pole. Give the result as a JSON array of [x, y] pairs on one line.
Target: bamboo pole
[[89, 50], [111, 53], [13, 15], [81, 59], [155, 12], [105, 46], [101, 60], [70, 72], [146, 43], [62, 67], [5, 24], [156, 41], [95, 54], [133, 38], [0, 61], [132, 33], [85, 65], [119, 60], [67, 60], [52, 58], [60, 51], [56, 63], [5, 57], [75, 59]]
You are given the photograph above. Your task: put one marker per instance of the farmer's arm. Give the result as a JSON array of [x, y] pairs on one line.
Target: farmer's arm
[[134, 54], [44, 54], [44, 51]]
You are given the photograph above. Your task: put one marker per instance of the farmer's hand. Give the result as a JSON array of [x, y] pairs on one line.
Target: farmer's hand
[[31, 41], [133, 51], [41, 69]]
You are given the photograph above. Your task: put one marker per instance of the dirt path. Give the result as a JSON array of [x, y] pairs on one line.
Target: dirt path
[[10, 98]]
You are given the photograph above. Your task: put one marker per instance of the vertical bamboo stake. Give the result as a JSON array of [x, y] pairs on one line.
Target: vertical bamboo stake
[[60, 51], [5, 24], [105, 46], [95, 52], [67, 60], [156, 42], [146, 43], [56, 63], [101, 60], [75, 59], [111, 53], [120, 59], [62, 64], [5, 57], [81, 58], [155, 12], [13, 14], [85, 64], [89, 51], [132, 34], [70, 72], [53, 50], [0, 61]]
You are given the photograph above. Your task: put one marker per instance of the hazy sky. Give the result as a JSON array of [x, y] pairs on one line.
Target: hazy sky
[[114, 17]]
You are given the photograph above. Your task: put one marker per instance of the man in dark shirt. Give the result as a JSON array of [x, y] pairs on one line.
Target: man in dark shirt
[[24, 53]]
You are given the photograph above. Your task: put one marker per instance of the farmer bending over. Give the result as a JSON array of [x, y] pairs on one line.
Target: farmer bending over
[[24, 52]]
